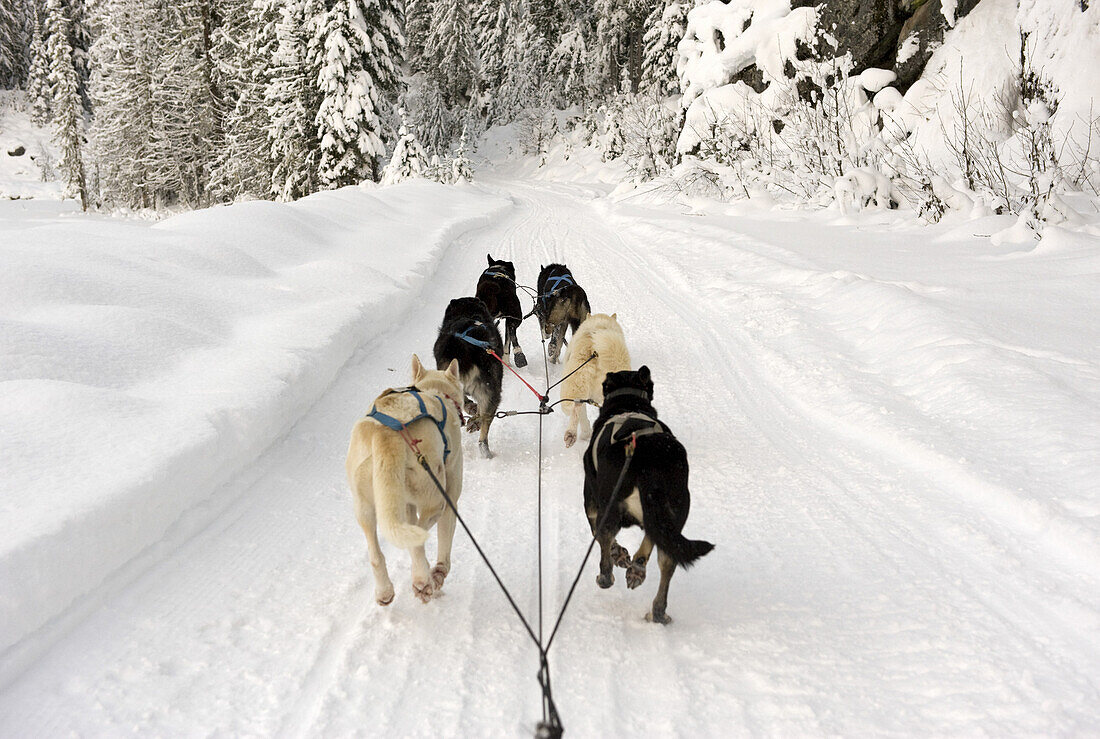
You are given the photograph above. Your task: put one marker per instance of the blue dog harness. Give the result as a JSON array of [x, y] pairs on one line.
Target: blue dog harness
[[554, 285], [494, 272], [465, 336], [399, 426]]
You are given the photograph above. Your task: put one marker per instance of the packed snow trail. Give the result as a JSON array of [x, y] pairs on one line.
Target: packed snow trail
[[901, 548]]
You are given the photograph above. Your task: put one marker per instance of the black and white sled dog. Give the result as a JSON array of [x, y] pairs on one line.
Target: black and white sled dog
[[654, 493], [467, 333], [561, 302], [497, 289]]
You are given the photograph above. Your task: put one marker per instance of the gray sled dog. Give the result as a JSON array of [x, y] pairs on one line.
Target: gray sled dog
[[602, 334], [390, 487], [561, 304]]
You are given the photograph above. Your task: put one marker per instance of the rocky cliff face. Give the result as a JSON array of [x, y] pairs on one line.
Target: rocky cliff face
[[890, 34], [899, 35]]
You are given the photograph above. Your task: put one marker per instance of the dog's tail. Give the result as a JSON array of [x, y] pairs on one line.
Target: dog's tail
[[388, 451], [664, 522]]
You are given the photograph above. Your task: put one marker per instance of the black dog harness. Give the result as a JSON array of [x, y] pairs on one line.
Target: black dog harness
[[400, 426], [625, 427]]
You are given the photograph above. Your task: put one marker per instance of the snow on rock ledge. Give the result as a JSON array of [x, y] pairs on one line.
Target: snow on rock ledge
[[144, 366]]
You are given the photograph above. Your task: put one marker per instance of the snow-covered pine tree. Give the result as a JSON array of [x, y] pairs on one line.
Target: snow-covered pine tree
[[569, 66], [546, 18], [526, 59], [185, 116], [244, 45], [618, 45], [292, 101], [418, 25], [38, 83], [408, 160], [450, 47], [383, 64], [80, 39], [491, 22], [383, 18], [68, 111], [664, 29], [122, 75], [431, 117], [461, 167], [347, 119], [14, 44]]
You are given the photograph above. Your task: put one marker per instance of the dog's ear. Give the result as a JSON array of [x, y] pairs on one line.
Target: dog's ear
[[615, 317], [417, 368], [490, 258], [647, 381], [452, 370]]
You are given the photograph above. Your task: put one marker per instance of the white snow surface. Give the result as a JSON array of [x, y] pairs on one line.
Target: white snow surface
[[143, 366], [21, 174], [979, 62], [894, 435]]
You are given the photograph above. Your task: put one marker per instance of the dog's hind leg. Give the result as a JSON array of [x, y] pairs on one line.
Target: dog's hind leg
[[575, 414], [657, 612], [553, 349], [635, 573], [383, 586], [421, 577], [580, 409], [487, 402], [620, 556], [512, 340], [606, 578], [446, 534]]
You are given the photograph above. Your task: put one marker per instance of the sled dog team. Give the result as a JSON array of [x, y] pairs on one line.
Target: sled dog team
[[411, 430]]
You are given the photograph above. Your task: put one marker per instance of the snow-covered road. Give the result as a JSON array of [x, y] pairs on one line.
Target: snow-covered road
[[894, 436]]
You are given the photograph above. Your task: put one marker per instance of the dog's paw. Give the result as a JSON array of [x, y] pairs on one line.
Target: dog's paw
[[520, 360], [658, 618], [473, 425], [423, 591], [483, 448], [605, 581], [570, 439], [635, 575], [620, 557], [439, 574], [384, 596]]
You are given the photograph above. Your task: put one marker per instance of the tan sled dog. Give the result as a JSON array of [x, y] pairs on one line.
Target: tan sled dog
[[598, 333], [392, 489]]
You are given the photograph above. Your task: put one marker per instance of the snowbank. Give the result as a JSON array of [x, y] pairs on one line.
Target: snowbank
[[26, 151], [143, 366]]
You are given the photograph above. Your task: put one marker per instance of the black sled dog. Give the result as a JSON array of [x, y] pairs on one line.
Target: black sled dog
[[653, 495], [497, 289], [467, 333], [561, 302]]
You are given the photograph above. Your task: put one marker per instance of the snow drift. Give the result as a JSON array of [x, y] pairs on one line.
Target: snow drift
[[143, 366]]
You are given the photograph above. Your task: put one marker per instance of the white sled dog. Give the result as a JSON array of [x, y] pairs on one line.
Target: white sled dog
[[598, 333], [392, 489]]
